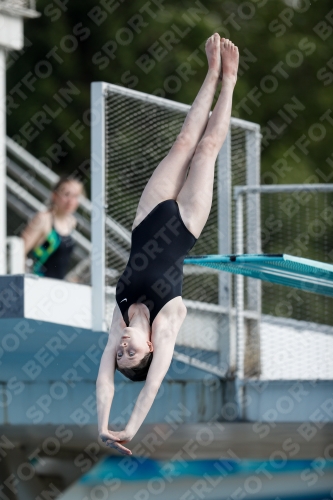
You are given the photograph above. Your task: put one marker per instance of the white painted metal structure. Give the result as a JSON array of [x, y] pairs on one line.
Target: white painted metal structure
[[16, 255], [37, 206], [100, 144], [25, 8], [265, 323], [11, 38], [98, 205], [3, 211], [29, 183]]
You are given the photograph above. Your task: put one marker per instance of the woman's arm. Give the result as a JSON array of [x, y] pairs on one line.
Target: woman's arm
[[34, 231]]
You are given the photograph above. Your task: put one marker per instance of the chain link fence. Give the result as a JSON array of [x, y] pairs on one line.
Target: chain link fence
[[137, 133], [295, 327]]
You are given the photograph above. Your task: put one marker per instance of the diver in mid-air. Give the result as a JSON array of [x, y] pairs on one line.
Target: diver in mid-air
[[172, 212]]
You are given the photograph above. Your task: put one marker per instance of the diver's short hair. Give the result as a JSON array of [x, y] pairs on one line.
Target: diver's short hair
[[139, 372]]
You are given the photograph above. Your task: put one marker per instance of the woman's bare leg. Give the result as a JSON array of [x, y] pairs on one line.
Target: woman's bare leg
[[195, 198], [169, 176]]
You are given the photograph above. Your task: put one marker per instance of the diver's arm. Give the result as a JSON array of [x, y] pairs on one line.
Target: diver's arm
[[164, 339], [105, 392], [160, 364], [105, 378], [105, 385], [140, 411]]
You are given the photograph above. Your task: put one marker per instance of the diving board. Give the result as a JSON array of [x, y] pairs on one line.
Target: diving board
[[283, 269]]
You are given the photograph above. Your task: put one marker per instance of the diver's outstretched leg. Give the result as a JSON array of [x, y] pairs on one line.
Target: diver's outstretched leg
[[195, 198], [169, 176]]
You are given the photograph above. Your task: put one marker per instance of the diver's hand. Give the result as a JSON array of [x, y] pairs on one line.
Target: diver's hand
[[115, 440]]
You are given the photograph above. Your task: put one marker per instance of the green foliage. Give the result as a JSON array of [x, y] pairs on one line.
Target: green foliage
[[270, 32]]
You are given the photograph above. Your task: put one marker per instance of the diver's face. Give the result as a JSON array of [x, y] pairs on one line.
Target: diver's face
[[132, 347]]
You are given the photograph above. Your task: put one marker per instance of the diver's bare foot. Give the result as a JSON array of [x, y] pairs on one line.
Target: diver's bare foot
[[221, 46], [213, 52], [230, 58]]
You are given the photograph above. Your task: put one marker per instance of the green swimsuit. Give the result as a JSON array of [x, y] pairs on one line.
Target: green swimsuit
[[52, 257]]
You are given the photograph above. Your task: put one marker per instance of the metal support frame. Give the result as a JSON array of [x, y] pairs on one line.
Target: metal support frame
[[239, 338], [167, 103], [11, 38], [227, 354], [228, 349], [3, 211], [24, 8], [253, 245], [239, 192], [16, 256], [98, 205], [282, 188]]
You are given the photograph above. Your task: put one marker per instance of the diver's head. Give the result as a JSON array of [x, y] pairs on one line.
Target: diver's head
[[134, 354]]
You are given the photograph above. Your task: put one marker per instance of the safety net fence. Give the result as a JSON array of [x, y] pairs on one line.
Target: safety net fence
[[138, 133], [290, 335]]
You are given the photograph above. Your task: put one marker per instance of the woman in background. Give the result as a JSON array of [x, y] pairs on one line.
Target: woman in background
[[48, 234]]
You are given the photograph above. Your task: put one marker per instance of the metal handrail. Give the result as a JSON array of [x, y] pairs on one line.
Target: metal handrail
[[35, 187], [39, 207], [281, 188], [24, 8], [52, 178]]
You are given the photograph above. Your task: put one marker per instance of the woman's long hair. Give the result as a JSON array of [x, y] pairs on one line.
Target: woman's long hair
[[139, 372]]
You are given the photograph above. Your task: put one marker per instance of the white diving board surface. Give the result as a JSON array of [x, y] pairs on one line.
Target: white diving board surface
[[283, 269]]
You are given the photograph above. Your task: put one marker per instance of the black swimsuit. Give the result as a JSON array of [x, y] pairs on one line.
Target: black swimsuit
[[154, 271], [52, 257]]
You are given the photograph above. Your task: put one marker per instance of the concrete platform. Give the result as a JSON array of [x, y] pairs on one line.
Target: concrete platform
[[49, 360]]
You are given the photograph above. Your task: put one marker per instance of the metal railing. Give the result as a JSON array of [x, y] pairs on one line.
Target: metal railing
[[15, 255], [25, 8], [29, 185]]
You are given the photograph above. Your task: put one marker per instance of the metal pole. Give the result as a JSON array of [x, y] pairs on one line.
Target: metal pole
[[239, 347], [253, 246], [224, 247], [3, 207], [98, 205], [283, 188], [16, 255]]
